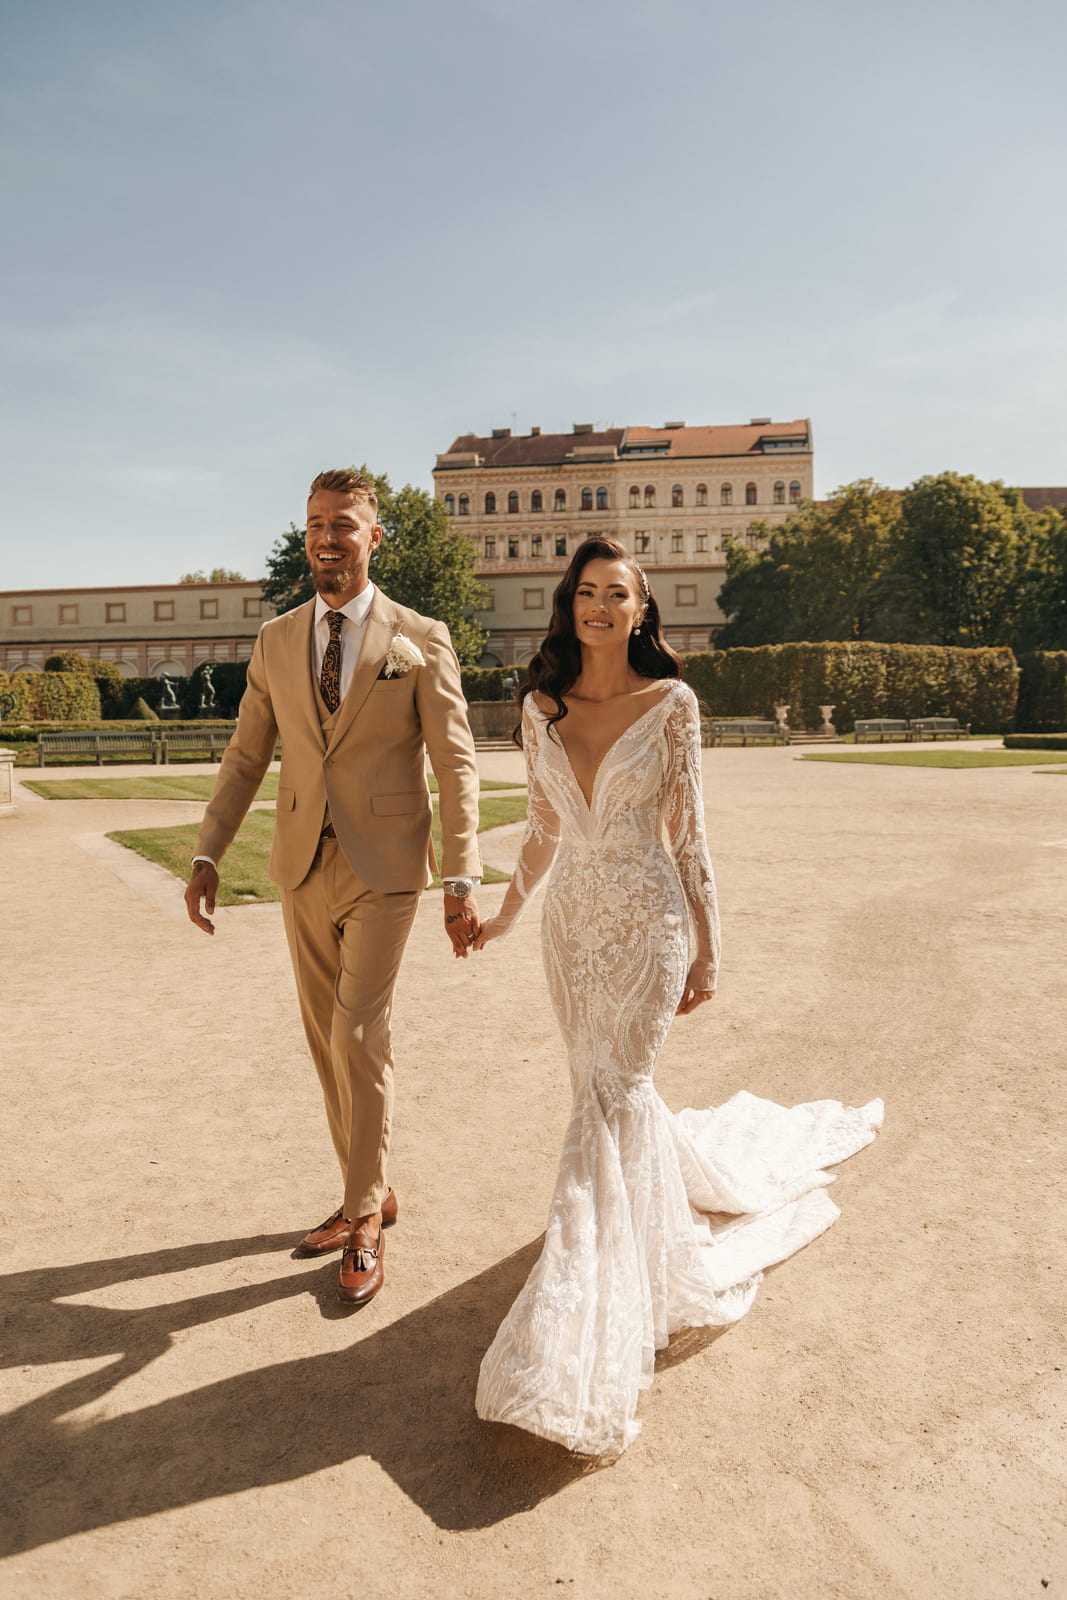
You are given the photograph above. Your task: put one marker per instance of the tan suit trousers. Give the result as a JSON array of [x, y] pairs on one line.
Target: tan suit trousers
[[346, 942]]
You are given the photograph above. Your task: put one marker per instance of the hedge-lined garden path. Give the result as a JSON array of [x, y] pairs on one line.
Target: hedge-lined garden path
[[189, 1411]]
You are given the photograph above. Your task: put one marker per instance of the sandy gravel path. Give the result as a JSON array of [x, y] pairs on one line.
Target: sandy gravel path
[[188, 1411]]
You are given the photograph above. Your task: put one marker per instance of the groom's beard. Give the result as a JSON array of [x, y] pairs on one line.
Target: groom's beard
[[334, 580]]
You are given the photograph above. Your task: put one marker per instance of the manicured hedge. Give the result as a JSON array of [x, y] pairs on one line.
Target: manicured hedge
[[859, 680], [1042, 704], [1035, 741], [51, 697], [228, 679], [487, 683]]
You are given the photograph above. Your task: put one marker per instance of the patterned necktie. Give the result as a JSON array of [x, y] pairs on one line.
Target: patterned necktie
[[330, 679]]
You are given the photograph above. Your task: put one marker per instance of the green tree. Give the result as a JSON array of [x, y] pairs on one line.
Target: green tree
[[960, 551], [425, 563], [818, 574], [288, 581], [1042, 621], [422, 562], [216, 575]]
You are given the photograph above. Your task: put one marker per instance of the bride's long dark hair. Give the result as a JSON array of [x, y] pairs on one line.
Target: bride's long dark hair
[[557, 665]]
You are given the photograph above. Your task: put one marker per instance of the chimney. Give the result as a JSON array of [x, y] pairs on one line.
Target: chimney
[[674, 424], [501, 433], [759, 422], [535, 433], [583, 427]]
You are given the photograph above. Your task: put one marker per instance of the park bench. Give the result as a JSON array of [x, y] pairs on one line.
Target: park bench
[[182, 740], [882, 728], [98, 745], [746, 728], [937, 727], [213, 740]]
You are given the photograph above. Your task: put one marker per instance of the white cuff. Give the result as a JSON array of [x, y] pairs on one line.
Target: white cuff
[[208, 860]]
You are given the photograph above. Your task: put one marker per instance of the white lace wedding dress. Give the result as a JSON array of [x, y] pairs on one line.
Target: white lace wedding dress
[[658, 1221]]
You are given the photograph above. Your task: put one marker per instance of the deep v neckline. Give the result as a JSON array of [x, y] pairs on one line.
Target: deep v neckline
[[663, 695]]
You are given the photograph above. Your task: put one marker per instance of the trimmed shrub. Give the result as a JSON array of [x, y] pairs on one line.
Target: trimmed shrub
[[71, 661], [487, 683], [51, 696], [1043, 692], [141, 711], [860, 679], [1035, 741]]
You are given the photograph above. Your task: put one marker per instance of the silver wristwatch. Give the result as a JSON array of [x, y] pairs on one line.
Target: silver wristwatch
[[459, 888]]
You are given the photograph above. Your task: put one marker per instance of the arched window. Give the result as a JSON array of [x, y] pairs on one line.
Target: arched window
[[650, 494], [794, 492], [561, 500], [677, 497], [464, 505], [602, 499], [490, 503], [726, 494], [779, 494], [702, 494], [750, 494], [450, 504], [513, 501], [587, 499], [635, 497], [537, 501]]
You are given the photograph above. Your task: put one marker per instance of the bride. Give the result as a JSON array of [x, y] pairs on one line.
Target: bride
[[658, 1221]]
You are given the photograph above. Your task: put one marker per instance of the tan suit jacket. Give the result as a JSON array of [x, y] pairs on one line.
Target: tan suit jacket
[[370, 771]]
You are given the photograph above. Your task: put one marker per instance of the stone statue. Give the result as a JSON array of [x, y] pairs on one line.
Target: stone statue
[[170, 699], [207, 689]]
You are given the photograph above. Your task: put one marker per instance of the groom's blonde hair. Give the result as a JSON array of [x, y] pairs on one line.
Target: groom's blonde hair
[[347, 480]]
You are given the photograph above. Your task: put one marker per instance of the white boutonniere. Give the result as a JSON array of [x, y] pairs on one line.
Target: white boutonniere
[[401, 656]]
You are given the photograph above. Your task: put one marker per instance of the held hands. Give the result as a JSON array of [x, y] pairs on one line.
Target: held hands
[[203, 884], [490, 929], [462, 923]]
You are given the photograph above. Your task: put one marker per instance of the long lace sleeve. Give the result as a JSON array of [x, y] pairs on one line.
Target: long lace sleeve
[[541, 840], [684, 821]]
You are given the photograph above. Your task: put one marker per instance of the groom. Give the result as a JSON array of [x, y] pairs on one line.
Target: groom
[[360, 691]]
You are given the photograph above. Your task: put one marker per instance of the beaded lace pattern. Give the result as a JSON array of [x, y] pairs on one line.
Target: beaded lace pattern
[[658, 1221]]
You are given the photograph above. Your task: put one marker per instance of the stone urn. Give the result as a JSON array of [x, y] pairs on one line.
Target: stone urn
[[781, 725], [828, 731]]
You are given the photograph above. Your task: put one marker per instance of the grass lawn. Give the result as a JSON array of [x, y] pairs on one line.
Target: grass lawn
[[244, 866], [944, 757], [171, 786]]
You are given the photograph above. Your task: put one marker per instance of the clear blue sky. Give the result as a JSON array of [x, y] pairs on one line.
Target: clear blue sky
[[248, 240]]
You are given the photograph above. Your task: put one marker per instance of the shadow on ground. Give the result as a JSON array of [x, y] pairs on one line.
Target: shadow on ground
[[403, 1394]]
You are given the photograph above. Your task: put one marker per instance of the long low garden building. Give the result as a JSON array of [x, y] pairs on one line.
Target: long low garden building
[[145, 629]]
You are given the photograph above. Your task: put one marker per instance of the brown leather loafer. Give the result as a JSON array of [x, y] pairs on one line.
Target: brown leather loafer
[[361, 1274], [332, 1234]]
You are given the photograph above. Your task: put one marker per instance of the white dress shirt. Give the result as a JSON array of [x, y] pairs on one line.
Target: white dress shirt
[[353, 628]]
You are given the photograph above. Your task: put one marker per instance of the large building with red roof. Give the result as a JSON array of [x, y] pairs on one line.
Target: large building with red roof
[[674, 496]]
